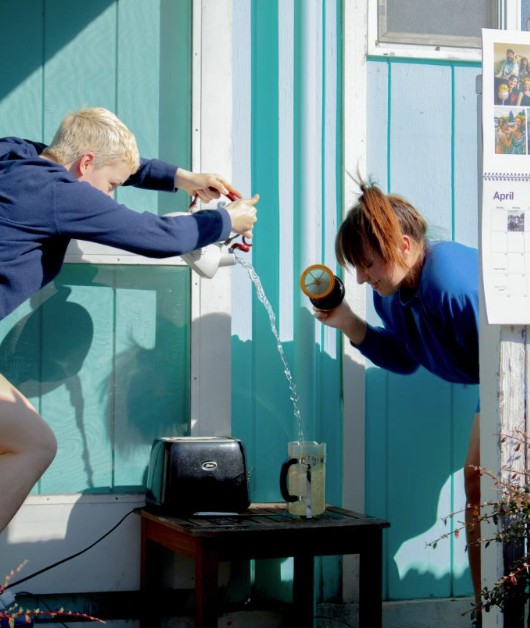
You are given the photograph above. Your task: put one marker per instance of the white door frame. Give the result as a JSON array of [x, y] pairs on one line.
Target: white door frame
[[211, 152]]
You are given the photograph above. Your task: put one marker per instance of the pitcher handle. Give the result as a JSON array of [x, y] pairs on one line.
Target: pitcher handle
[[283, 481]]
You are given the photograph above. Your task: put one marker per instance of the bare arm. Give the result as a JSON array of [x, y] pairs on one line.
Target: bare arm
[[345, 319], [206, 186]]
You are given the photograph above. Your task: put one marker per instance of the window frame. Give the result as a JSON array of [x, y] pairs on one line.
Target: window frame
[[509, 19]]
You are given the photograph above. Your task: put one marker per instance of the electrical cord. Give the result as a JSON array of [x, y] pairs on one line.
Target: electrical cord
[[64, 560]]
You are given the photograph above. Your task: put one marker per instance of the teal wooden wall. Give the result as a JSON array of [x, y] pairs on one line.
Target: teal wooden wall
[[295, 140], [104, 352], [123, 332], [262, 409], [422, 144]]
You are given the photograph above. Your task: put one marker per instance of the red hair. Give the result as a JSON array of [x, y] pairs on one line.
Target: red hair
[[376, 224]]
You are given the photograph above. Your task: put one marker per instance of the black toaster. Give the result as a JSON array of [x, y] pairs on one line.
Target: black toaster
[[189, 474]]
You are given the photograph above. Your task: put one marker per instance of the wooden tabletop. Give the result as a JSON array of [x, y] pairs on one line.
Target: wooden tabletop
[[269, 531], [261, 518]]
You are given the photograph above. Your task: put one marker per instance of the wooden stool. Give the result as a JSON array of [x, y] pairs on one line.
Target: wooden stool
[[267, 531]]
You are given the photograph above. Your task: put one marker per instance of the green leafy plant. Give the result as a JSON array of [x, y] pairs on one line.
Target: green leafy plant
[[15, 612], [510, 515]]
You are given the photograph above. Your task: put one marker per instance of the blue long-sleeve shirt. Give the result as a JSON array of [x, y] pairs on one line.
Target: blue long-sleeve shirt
[[438, 326], [43, 207]]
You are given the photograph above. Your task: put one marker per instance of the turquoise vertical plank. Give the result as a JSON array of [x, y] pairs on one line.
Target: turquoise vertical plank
[[243, 415], [272, 413], [175, 96], [80, 58], [376, 415], [138, 68], [377, 77], [21, 84], [135, 382], [85, 388], [149, 391], [329, 373], [377, 451], [377, 471], [420, 139], [465, 155], [138, 85], [317, 374], [304, 213], [243, 425], [465, 186], [173, 350], [330, 366], [419, 415], [465, 399], [75, 336]]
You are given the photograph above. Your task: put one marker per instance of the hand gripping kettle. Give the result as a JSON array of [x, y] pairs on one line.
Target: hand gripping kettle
[[207, 260]]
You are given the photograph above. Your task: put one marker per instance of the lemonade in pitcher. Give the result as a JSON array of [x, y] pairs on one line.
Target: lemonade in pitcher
[[303, 479]]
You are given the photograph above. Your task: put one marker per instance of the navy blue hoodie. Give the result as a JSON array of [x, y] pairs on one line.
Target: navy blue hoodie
[[42, 207], [438, 326]]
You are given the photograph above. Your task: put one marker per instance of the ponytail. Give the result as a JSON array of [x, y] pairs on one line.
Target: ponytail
[[376, 225]]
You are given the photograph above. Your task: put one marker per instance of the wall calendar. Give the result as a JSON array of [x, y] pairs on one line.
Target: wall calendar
[[505, 221]]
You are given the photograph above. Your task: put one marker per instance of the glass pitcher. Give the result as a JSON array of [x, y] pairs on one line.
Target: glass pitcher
[[303, 478]]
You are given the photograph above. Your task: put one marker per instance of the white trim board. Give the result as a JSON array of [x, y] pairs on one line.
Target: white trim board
[[211, 152], [52, 527]]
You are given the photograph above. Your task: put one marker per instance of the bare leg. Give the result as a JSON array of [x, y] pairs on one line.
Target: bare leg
[[27, 447], [472, 487]]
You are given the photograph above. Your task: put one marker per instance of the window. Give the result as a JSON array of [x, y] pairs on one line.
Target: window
[[434, 28]]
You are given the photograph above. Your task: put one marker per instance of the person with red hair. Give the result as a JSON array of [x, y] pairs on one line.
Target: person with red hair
[[426, 295]]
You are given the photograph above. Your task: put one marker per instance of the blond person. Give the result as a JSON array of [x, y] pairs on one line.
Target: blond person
[[51, 194]]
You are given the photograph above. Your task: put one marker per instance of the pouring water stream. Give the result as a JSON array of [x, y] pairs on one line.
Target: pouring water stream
[[272, 318]]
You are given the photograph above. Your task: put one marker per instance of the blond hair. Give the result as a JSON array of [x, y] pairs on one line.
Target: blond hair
[[96, 130], [377, 224]]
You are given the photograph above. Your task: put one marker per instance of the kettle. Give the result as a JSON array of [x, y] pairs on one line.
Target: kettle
[[208, 259]]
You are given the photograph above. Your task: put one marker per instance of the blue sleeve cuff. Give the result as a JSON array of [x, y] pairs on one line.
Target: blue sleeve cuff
[[154, 174], [227, 223]]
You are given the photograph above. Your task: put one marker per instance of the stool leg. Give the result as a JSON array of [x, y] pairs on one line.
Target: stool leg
[[206, 579], [371, 582], [304, 591], [146, 619]]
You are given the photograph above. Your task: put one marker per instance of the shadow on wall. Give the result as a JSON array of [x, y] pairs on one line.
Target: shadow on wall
[[143, 393], [263, 412], [37, 364], [28, 17], [263, 418], [417, 432], [46, 533], [143, 390]]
